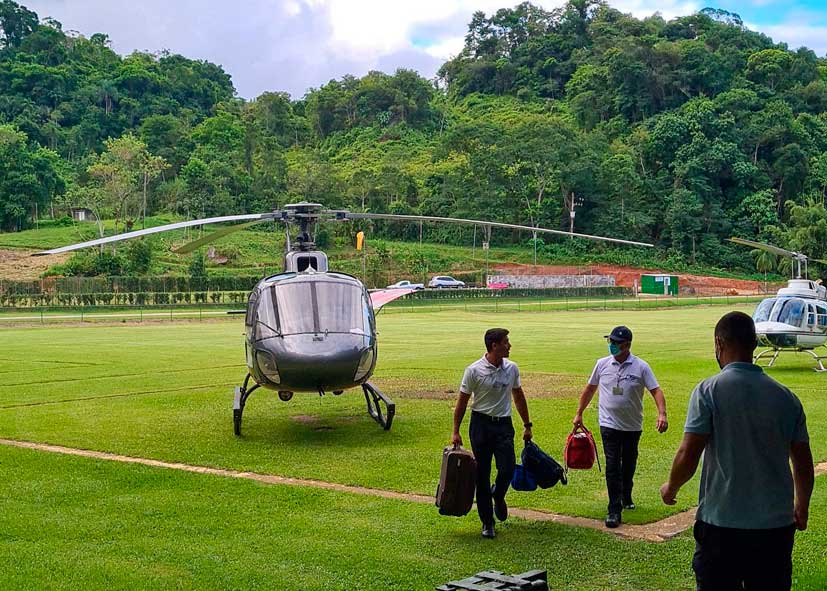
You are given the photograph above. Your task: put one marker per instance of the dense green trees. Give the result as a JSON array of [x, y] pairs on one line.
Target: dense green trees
[[682, 133]]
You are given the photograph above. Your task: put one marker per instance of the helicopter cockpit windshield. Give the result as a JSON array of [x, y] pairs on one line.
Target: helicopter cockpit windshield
[[789, 311], [312, 308], [762, 312]]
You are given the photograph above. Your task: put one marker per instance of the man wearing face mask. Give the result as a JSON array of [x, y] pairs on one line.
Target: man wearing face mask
[[749, 428], [619, 379]]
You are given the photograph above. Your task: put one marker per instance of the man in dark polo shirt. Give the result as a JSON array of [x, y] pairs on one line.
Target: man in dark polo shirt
[[749, 427], [490, 383]]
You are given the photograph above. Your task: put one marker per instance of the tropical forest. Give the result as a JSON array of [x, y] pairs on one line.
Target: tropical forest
[[681, 133]]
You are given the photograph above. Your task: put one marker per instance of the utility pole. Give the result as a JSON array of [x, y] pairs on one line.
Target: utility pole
[[573, 202]]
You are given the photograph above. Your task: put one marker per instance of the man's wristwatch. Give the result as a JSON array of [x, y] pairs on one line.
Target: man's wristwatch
[[528, 425]]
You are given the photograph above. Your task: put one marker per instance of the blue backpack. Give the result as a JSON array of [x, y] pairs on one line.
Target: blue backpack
[[543, 468], [523, 479]]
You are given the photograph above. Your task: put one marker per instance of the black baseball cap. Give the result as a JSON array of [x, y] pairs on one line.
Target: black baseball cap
[[619, 334]]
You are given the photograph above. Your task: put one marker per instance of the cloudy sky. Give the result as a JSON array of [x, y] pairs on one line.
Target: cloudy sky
[[292, 45]]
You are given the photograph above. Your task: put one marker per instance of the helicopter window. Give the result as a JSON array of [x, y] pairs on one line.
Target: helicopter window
[[341, 308], [266, 315], [295, 304], [762, 312], [791, 312], [249, 320], [811, 315], [822, 316]]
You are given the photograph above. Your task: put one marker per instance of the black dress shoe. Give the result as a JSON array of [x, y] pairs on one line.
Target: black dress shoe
[[613, 520], [488, 531], [500, 509]]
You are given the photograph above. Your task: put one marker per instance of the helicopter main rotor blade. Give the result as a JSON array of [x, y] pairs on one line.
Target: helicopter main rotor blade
[[157, 229], [425, 218], [766, 247], [196, 244]]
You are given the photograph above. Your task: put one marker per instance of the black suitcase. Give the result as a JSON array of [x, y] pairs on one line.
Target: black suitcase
[[457, 482]]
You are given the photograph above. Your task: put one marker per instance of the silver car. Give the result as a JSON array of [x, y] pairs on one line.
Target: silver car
[[405, 284], [441, 281]]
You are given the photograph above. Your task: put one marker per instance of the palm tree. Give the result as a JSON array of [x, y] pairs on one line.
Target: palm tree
[[765, 261]]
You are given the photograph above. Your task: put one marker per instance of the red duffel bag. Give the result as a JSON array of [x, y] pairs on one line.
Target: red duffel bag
[[580, 452]]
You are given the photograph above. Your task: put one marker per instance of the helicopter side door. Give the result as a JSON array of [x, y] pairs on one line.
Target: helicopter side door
[[821, 317]]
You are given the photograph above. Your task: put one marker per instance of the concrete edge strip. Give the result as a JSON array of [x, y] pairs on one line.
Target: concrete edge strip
[[658, 531]]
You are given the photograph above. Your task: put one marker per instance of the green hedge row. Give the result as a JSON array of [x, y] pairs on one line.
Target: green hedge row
[[135, 285], [69, 300]]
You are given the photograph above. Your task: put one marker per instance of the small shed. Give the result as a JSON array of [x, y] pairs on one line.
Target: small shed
[[659, 284], [82, 214]]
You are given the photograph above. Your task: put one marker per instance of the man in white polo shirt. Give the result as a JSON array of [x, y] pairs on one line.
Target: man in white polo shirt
[[492, 380], [620, 379]]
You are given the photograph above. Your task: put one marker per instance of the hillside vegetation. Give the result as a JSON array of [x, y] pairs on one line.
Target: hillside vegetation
[[681, 133]]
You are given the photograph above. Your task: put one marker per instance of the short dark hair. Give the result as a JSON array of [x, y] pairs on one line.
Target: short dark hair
[[494, 335], [737, 330]]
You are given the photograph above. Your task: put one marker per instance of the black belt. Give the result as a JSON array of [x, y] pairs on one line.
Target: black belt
[[491, 419]]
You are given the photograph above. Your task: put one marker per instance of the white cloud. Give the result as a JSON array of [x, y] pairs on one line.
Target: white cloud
[[446, 49], [797, 33], [296, 44], [668, 9]]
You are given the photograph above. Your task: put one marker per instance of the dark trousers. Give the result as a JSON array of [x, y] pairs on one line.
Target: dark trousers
[[492, 437], [745, 559], [620, 448]]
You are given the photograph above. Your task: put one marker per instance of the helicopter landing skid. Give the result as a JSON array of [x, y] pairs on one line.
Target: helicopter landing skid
[[375, 398], [819, 358], [241, 395], [774, 352]]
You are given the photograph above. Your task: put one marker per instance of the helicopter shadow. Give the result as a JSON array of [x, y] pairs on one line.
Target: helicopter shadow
[[354, 431]]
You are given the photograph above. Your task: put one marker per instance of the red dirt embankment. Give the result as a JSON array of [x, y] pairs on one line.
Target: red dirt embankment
[[627, 276]]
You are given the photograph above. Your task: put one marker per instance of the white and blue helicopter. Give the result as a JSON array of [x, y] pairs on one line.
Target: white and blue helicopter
[[796, 318]]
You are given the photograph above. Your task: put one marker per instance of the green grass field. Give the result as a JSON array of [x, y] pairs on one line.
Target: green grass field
[[164, 391]]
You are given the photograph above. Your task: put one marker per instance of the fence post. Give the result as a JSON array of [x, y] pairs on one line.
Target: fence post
[[41, 315]]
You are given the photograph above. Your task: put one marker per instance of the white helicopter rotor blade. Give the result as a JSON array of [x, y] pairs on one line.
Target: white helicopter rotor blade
[[157, 229], [425, 218], [765, 247]]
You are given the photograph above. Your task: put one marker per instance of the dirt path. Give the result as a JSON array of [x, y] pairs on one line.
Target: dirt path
[[658, 531]]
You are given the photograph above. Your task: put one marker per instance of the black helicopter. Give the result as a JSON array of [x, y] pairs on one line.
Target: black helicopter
[[310, 329]]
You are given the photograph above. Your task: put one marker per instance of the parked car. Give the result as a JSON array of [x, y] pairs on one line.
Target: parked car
[[405, 284], [441, 281]]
